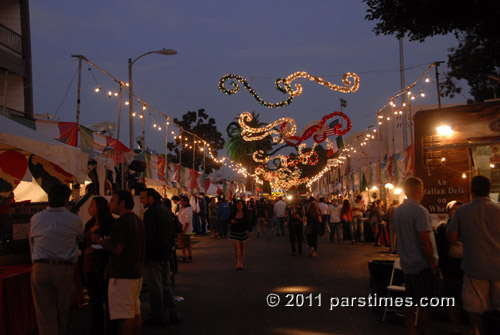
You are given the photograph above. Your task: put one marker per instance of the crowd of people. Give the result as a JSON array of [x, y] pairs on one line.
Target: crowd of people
[[117, 254]]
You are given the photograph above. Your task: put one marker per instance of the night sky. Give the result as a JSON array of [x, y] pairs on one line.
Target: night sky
[[260, 40]]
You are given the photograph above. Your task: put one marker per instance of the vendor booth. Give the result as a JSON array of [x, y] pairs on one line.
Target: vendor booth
[[26, 154]]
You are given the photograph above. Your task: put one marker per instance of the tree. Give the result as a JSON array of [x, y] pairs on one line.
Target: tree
[[240, 150], [204, 127], [474, 23]]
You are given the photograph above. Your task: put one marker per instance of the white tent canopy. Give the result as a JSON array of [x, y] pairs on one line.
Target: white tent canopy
[[15, 136]]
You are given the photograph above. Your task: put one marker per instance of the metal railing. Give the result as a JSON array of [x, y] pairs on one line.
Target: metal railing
[[11, 111], [11, 40]]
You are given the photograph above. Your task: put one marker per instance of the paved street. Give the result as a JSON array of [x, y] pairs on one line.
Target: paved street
[[220, 300]]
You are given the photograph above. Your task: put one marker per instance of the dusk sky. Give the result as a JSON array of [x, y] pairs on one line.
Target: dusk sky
[[259, 40]]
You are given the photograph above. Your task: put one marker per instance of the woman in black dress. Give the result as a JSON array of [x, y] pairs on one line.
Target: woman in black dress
[[95, 261], [240, 227]]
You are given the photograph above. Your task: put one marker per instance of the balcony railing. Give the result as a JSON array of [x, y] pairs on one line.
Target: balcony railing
[[11, 40], [11, 111]]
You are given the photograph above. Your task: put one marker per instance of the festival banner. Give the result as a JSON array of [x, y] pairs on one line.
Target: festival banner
[[95, 143], [65, 132]]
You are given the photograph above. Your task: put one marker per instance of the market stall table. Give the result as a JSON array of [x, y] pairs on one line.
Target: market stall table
[[17, 314]]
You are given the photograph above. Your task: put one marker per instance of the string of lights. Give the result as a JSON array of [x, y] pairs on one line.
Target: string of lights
[[395, 111], [287, 89], [350, 87]]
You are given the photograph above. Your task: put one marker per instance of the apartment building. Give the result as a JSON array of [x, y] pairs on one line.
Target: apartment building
[[16, 89]]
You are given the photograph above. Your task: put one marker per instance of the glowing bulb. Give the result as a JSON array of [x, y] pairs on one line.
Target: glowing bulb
[[97, 89], [388, 118], [389, 186], [444, 130], [422, 94], [116, 94], [492, 165], [427, 79], [154, 125], [110, 94], [398, 190], [126, 103], [144, 107], [141, 116], [134, 114], [159, 128], [443, 159], [464, 175]]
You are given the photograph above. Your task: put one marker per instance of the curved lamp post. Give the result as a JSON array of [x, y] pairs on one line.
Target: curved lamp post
[[165, 52]]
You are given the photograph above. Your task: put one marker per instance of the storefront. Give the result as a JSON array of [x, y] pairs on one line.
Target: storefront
[[452, 146]]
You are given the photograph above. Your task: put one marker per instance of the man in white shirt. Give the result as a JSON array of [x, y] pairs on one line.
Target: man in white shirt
[[280, 212], [54, 236], [335, 223]]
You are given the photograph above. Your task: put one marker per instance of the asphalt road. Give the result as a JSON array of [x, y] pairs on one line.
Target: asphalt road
[[220, 300]]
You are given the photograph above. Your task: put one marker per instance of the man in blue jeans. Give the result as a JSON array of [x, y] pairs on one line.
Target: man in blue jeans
[[358, 208], [281, 215], [160, 239]]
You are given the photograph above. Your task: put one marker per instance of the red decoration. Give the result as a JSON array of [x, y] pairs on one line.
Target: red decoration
[[312, 130]]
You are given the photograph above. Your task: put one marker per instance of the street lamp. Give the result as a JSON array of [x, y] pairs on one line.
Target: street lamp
[[165, 52]]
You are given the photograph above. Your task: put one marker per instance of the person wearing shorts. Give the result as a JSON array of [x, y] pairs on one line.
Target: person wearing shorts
[[418, 254], [476, 223], [126, 268]]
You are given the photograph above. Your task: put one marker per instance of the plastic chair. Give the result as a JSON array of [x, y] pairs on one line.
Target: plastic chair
[[394, 289]]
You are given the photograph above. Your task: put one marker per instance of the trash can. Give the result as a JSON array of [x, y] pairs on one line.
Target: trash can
[[491, 322], [380, 276]]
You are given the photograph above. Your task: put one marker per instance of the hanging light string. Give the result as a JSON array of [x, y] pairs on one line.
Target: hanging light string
[[238, 168], [223, 161], [125, 85], [371, 131]]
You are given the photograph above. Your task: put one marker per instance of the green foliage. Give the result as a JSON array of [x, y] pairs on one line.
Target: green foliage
[[240, 150], [203, 126], [474, 23]]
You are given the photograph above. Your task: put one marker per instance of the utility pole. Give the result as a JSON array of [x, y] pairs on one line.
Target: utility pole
[[403, 88], [119, 113], [437, 83], [79, 87], [194, 150]]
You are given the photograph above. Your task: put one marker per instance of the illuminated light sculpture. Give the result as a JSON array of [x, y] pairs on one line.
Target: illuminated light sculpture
[[279, 83], [288, 127], [350, 87]]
